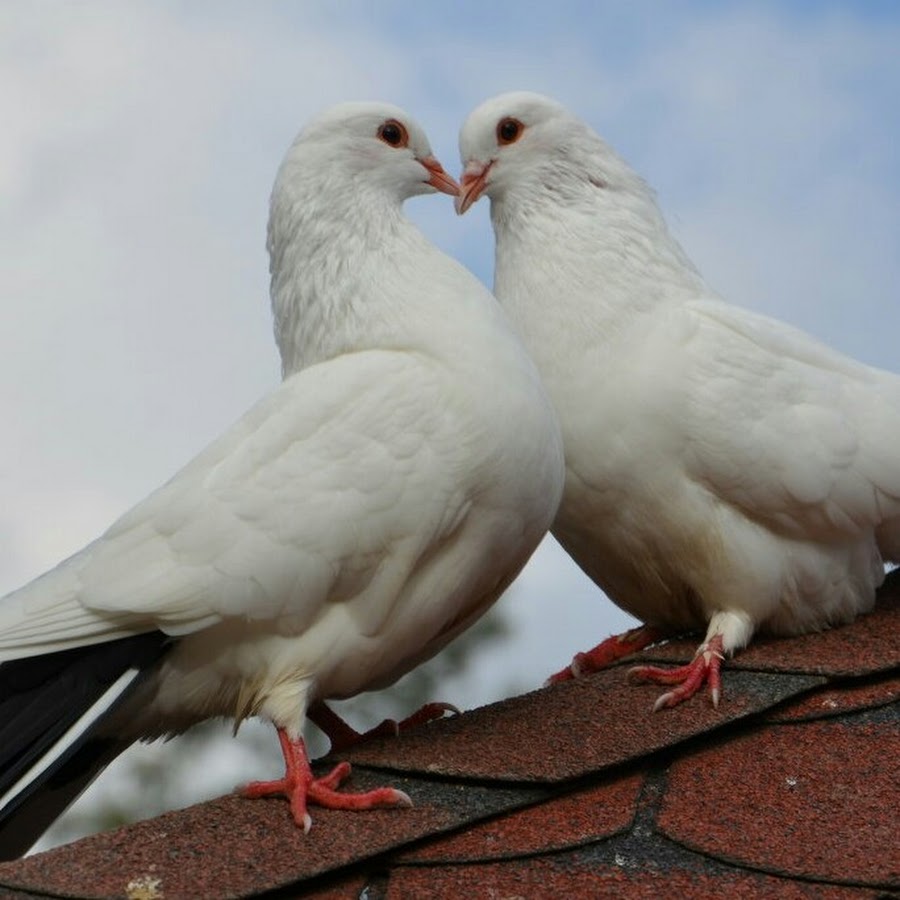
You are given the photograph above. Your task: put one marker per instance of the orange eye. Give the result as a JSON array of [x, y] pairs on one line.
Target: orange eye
[[509, 130], [394, 133]]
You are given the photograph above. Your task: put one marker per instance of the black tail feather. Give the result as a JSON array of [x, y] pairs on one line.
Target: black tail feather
[[50, 708]]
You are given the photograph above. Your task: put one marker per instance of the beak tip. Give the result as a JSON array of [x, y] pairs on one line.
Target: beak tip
[[472, 185], [438, 178]]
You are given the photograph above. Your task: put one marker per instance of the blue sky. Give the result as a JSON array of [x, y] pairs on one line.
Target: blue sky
[[138, 147]]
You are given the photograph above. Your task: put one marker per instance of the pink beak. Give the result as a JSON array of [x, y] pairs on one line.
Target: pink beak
[[439, 179], [472, 184]]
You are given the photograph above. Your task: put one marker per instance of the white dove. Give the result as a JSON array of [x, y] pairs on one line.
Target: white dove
[[352, 523], [724, 471]]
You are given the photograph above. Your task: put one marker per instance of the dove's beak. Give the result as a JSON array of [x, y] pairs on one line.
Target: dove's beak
[[472, 184], [439, 179]]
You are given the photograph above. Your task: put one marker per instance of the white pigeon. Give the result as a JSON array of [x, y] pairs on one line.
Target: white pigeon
[[352, 523], [724, 471]]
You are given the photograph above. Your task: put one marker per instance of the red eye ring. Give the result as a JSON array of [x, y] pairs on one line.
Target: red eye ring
[[509, 130], [393, 133]]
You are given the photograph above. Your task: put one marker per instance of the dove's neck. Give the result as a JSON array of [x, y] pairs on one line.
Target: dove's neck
[[589, 270], [337, 276]]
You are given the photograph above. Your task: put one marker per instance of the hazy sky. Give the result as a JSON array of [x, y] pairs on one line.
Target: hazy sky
[[139, 141]]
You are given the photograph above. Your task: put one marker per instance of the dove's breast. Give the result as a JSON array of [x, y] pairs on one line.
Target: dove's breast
[[470, 478], [666, 540]]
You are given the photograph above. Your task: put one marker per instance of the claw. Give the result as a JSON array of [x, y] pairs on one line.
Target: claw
[[607, 652], [705, 667], [300, 787], [662, 701]]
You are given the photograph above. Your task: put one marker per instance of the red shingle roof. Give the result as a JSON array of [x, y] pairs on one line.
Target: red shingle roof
[[791, 789]]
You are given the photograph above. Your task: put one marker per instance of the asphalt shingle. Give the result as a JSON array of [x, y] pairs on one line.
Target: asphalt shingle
[[789, 789]]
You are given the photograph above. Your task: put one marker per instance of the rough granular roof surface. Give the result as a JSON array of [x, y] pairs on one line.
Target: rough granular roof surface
[[790, 789]]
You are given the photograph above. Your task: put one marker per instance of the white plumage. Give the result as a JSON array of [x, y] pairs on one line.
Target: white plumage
[[361, 515], [724, 471]]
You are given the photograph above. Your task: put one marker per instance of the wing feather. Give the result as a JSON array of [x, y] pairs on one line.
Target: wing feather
[[291, 507], [813, 449]]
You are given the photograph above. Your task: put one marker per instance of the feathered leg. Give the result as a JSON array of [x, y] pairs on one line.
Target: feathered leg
[[728, 631]]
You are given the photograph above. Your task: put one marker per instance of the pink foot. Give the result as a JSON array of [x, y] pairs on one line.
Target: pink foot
[[705, 667], [608, 652], [343, 736], [299, 786]]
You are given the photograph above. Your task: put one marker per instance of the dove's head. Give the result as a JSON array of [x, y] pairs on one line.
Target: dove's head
[[335, 223], [355, 147], [527, 145]]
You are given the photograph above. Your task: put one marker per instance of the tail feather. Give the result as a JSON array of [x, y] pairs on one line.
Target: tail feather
[[50, 710]]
